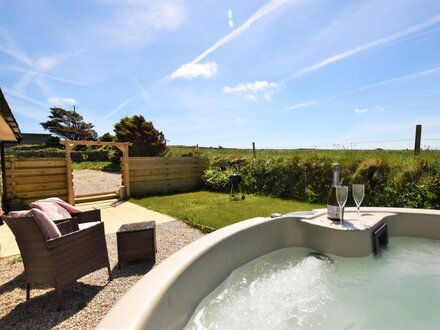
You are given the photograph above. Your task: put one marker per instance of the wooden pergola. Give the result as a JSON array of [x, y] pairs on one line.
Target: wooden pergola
[[70, 144]]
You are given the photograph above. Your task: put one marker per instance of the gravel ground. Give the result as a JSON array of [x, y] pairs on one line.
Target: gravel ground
[[90, 181], [87, 301]]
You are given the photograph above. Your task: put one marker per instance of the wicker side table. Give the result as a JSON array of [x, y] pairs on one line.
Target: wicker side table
[[136, 241]]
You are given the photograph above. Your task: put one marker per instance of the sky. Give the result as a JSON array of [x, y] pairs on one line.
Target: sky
[[280, 73]]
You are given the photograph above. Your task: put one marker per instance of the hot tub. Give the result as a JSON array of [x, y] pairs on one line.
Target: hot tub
[[166, 297]]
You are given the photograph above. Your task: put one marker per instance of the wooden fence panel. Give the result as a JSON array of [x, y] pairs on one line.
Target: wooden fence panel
[[29, 179], [152, 175]]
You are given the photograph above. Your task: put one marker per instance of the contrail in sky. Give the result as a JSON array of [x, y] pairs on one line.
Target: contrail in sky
[[260, 13], [338, 57]]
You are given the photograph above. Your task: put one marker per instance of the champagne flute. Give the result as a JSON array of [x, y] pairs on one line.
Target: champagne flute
[[341, 196], [358, 195]]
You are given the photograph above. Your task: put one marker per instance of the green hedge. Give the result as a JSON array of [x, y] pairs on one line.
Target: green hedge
[[76, 156], [416, 183]]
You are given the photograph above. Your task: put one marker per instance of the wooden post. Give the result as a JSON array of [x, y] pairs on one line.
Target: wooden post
[[125, 168], [12, 162], [253, 149], [4, 184], [418, 139], [70, 195]]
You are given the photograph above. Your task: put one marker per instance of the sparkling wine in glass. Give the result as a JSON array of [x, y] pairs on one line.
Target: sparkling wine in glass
[[358, 195], [341, 196]]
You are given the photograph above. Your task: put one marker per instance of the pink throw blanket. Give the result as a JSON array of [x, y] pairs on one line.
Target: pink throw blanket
[[55, 208]]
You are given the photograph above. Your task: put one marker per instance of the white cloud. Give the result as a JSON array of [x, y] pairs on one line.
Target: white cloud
[[360, 110], [47, 63], [391, 38], [163, 14], [379, 108], [251, 97], [57, 100], [193, 70], [133, 23], [160, 14], [251, 91], [260, 13]]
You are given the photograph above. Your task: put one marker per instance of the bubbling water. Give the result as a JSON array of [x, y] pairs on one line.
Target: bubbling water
[[291, 289], [270, 292]]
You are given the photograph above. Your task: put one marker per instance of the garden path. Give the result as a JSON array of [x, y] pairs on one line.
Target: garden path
[[91, 181]]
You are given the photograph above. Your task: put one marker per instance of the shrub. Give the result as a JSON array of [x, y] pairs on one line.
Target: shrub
[[216, 180], [373, 173], [76, 156], [409, 195], [415, 184], [147, 140]]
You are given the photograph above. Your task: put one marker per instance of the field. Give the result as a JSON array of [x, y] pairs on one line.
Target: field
[[346, 156], [392, 178]]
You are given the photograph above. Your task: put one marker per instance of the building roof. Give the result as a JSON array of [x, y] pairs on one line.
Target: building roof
[[9, 130]]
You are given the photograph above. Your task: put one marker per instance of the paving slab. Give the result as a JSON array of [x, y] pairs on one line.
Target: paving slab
[[114, 214]]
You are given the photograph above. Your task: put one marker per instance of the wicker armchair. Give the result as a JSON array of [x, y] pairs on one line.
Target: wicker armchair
[[85, 217], [60, 261]]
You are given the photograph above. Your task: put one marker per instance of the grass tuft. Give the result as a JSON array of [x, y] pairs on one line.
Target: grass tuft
[[15, 260]]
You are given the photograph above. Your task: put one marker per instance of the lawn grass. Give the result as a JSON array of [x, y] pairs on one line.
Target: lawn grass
[[97, 166], [210, 211]]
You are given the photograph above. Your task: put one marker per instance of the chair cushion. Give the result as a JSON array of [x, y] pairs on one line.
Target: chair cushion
[[52, 209], [85, 225], [70, 208], [47, 226]]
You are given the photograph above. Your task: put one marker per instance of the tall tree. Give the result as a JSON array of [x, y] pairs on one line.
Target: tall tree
[[69, 124], [147, 141]]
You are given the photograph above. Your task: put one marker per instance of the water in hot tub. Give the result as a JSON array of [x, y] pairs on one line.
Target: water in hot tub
[[289, 289]]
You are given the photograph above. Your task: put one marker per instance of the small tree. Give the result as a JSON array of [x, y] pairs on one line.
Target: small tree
[[147, 141], [69, 124], [53, 142], [106, 137]]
